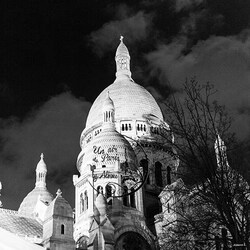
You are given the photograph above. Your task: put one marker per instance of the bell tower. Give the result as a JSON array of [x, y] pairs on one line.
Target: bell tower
[[122, 59]]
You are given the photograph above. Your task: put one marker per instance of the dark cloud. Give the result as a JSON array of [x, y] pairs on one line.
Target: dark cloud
[[187, 4], [199, 25], [223, 61], [48, 44], [133, 27], [54, 129]]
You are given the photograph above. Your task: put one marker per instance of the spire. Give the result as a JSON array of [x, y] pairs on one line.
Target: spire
[[41, 171], [122, 59], [221, 152], [108, 112]]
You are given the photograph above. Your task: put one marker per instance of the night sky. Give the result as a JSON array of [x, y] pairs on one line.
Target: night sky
[[57, 56]]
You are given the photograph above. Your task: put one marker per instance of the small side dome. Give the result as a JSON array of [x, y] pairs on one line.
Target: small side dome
[[109, 147], [59, 207], [27, 207]]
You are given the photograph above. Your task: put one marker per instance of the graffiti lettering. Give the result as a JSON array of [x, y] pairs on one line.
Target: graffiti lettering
[[104, 175], [110, 155]]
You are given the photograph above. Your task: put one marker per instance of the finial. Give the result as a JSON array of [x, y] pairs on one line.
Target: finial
[[121, 39], [59, 192], [42, 156]]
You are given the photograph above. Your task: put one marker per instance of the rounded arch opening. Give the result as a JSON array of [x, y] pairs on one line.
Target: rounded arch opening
[[99, 190], [168, 175], [108, 192], [62, 229], [158, 174], [144, 165], [131, 241], [82, 243], [132, 198], [125, 197], [86, 201]]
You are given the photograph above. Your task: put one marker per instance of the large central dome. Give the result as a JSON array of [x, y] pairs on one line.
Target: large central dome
[[131, 100]]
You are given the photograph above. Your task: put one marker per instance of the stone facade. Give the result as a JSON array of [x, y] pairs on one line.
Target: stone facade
[[123, 129], [123, 166]]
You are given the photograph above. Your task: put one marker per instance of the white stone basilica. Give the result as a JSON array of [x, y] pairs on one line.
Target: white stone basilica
[[123, 166]]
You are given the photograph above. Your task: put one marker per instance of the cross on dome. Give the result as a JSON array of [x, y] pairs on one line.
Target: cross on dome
[[121, 38], [41, 170], [59, 192], [41, 166]]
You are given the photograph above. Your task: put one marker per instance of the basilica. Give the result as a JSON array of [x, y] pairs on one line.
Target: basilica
[[123, 167]]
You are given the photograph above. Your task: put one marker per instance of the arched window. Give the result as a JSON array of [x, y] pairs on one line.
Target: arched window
[[168, 175], [125, 197], [99, 190], [144, 165], [62, 229], [81, 203], [108, 190], [126, 126], [129, 127], [158, 174], [122, 127], [132, 198], [82, 243], [86, 205]]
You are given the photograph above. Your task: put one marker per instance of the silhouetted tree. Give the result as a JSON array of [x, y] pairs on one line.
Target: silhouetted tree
[[211, 210]]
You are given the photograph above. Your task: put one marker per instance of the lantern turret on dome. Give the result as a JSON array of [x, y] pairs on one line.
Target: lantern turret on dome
[[108, 110], [122, 59], [131, 100], [41, 172]]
